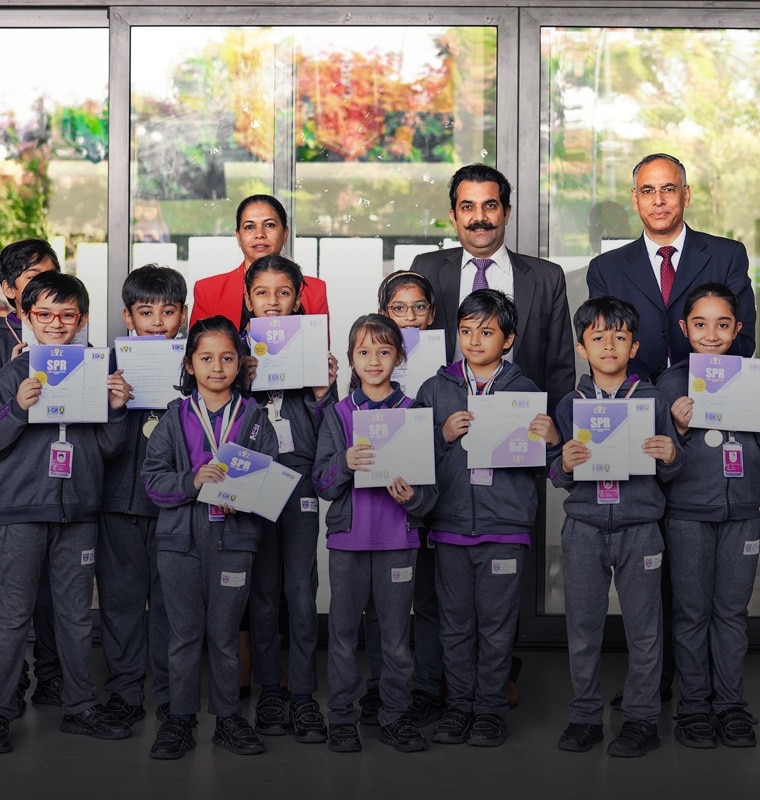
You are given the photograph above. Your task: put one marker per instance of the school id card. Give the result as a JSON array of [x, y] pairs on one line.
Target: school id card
[[255, 482], [602, 425], [499, 435], [725, 390], [74, 382], [152, 365], [403, 442], [425, 354], [291, 351]]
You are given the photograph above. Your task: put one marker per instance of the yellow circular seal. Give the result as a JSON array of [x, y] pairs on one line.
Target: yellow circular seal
[[223, 467], [260, 349], [363, 440], [534, 437], [699, 384], [584, 435], [41, 377]]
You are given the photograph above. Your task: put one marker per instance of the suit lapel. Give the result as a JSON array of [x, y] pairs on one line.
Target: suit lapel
[[524, 291], [449, 277], [693, 260], [638, 270]]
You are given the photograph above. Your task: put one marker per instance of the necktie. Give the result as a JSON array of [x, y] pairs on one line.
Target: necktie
[[667, 272], [481, 265]]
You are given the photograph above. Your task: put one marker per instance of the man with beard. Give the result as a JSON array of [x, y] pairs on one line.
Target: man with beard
[[480, 210]]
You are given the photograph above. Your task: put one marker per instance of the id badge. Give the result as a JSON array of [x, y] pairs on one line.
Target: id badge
[[61, 458], [481, 477], [284, 435], [215, 514], [607, 492], [733, 461]]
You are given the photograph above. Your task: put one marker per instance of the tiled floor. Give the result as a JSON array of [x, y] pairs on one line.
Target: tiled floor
[[48, 764]]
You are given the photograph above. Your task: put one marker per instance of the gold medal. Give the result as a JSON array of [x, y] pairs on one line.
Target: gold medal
[[149, 425]]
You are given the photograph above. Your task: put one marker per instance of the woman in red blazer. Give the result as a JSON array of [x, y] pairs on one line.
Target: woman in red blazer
[[261, 227]]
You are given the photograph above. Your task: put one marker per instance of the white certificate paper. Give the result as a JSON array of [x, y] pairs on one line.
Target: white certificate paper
[[725, 390], [291, 351], [152, 365], [403, 442], [74, 383], [640, 428], [498, 436], [602, 425], [425, 354], [255, 482]]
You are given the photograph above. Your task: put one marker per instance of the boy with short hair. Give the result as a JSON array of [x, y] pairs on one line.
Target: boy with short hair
[[19, 262], [613, 526], [481, 526], [154, 305], [52, 517]]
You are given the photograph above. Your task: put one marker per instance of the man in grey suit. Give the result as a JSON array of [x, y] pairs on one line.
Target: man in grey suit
[[480, 210]]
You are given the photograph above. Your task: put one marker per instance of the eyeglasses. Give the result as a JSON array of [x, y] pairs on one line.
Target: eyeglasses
[[65, 318], [667, 190], [400, 309]]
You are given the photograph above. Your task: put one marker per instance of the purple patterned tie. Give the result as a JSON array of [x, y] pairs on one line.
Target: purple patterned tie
[[667, 272], [481, 264]]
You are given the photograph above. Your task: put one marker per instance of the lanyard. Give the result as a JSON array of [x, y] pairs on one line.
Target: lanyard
[[228, 420], [472, 384], [357, 406], [613, 395], [275, 402]]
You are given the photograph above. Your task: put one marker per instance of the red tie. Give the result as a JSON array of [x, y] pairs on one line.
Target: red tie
[[667, 272]]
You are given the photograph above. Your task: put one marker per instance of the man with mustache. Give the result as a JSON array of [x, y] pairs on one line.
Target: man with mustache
[[480, 210]]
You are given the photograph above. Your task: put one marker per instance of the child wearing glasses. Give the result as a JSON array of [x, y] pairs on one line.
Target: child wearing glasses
[[51, 512]]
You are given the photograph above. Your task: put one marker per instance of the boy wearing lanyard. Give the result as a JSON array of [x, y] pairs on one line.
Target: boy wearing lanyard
[[480, 525], [613, 526]]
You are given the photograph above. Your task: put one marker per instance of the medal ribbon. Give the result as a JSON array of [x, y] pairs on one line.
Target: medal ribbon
[[228, 419]]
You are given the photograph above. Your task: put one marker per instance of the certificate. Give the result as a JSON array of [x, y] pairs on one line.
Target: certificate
[[726, 391], [425, 353], [640, 428], [74, 383], [152, 365], [403, 442], [291, 351], [602, 425], [255, 482], [498, 435]]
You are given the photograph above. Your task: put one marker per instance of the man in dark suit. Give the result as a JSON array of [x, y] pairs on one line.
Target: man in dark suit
[[633, 272], [480, 210]]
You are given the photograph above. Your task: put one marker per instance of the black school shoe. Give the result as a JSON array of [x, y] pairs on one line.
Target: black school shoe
[[453, 728], [48, 693], [271, 719], [305, 721], [370, 704], [580, 737], [694, 730], [425, 708], [735, 728], [488, 730], [95, 721], [237, 735], [123, 711], [173, 740], [5, 735], [344, 739], [636, 738], [402, 735]]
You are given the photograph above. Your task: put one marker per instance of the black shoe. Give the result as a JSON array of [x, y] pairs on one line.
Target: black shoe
[[25, 681], [370, 705], [488, 731], [580, 737], [237, 735], [20, 701], [271, 719], [120, 709], [97, 722], [344, 739], [48, 693], [5, 735], [453, 728], [694, 730], [173, 740], [305, 721], [735, 728], [163, 713], [635, 739], [425, 708], [403, 736]]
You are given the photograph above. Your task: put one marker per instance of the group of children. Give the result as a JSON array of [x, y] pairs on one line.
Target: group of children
[[199, 567]]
